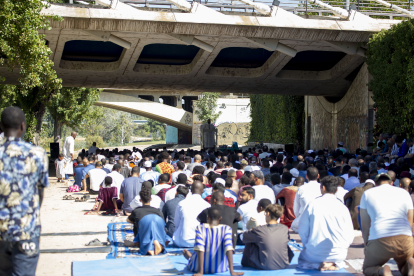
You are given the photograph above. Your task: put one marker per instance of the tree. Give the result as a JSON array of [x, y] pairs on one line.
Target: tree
[[390, 59], [71, 106], [206, 107], [156, 129], [22, 48]]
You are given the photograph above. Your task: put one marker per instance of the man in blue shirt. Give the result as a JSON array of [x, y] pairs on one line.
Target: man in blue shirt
[[88, 165], [24, 174], [130, 188], [169, 209], [78, 171], [403, 148]]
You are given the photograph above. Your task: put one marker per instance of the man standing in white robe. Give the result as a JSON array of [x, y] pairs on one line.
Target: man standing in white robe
[[326, 230], [68, 151]]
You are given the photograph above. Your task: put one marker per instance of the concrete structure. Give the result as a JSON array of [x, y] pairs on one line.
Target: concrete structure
[[196, 49]]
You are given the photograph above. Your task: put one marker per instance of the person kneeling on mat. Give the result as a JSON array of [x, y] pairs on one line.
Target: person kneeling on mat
[[149, 227], [212, 238], [263, 250]]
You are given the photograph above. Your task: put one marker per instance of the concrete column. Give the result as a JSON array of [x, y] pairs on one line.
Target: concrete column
[[179, 102], [156, 98]]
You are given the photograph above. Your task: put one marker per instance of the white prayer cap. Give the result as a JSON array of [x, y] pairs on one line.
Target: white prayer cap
[[369, 181], [294, 172], [220, 180], [147, 164], [341, 143], [310, 151], [248, 169]]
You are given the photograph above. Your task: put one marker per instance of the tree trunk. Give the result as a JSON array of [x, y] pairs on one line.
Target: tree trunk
[[57, 132], [39, 114]]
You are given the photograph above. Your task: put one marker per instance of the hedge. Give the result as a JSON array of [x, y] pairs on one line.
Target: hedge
[[277, 118]]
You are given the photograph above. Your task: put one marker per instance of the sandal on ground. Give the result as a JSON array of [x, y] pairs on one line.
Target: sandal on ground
[[95, 242], [77, 199]]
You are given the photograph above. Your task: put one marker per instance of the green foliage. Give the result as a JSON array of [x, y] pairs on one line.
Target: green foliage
[[276, 118], [157, 129], [390, 59], [98, 139], [206, 107]]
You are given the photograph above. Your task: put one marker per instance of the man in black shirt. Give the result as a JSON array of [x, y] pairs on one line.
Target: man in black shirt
[[229, 215], [140, 212]]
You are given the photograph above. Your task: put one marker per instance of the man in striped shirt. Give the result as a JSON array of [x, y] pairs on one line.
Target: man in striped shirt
[[214, 239]]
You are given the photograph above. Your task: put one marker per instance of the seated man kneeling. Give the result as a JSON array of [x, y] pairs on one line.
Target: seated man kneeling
[[106, 200], [149, 226], [267, 245], [326, 230], [212, 238]]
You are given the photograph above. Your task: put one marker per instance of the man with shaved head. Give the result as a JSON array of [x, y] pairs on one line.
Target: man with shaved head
[[68, 151], [185, 219], [24, 173], [405, 184]]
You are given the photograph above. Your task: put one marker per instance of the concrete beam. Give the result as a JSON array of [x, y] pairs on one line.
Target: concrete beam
[[348, 47], [107, 36], [260, 7], [191, 40], [274, 45]]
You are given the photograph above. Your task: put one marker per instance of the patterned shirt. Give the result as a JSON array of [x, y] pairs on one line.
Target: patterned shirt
[[214, 241], [162, 193], [164, 167], [227, 201], [23, 167]]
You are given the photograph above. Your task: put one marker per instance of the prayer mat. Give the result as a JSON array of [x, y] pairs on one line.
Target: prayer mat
[[118, 232], [154, 265], [358, 263]]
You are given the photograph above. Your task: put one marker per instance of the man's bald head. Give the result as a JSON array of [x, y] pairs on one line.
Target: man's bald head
[[405, 183], [197, 188], [13, 118], [392, 175], [353, 172]]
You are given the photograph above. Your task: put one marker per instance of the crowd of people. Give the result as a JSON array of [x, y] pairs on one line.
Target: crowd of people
[[212, 201], [259, 194]]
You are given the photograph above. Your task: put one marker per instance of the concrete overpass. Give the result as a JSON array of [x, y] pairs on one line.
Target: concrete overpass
[[195, 48], [173, 116]]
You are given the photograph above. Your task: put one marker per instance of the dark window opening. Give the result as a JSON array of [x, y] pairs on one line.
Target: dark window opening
[[314, 60], [168, 54], [148, 98], [188, 103], [238, 57], [93, 51], [353, 74]]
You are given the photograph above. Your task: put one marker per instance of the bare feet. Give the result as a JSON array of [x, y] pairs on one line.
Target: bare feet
[[236, 273], [187, 254], [131, 244], [327, 266], [157, 247], [410, 267], [387, 270], [150, 252]]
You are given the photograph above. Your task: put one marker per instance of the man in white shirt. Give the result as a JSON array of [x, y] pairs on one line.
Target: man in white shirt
[[197, 162], [117, 178], [96, 177], [186, 214], [156, 201], [99, 156], [306, 194], [162, 183], [386, 222], [149, 174], [326, 230], [68, 151], [261, 191], [180, 169], [181, 181], [110, 164], [248, 207], [352, 181], [92, 150], [341, 192]]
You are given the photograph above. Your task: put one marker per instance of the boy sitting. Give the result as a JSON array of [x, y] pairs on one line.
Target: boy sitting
[[213, 238], [106, 200]]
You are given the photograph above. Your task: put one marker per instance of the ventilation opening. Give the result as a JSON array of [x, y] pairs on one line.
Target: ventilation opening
[[238, 57], [92, 51], [314, 61], [168, 54], [353, 74]]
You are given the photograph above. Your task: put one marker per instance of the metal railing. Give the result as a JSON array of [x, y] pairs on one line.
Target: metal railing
[[299, 7]]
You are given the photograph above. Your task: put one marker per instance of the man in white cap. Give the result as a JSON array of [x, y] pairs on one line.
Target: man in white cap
[[295, 173], [149, 174]]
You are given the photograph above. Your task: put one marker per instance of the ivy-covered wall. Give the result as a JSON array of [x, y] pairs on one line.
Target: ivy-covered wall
[[277, 118]]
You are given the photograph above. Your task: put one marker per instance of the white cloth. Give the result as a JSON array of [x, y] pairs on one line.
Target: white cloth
[[60, 168], [395, 148], [351, 182], [150, 175], [158, 188], [185, 219], [246, 211], [326, 231], [117, 180], [96, 178], [340, 193], [171, 193], [174, 176], [100, 157], [156, 202], [137, 154], [387, 207], [109, 167], [263, 191], [255, 168], [68, 150], [92, 150], [305, 194]]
